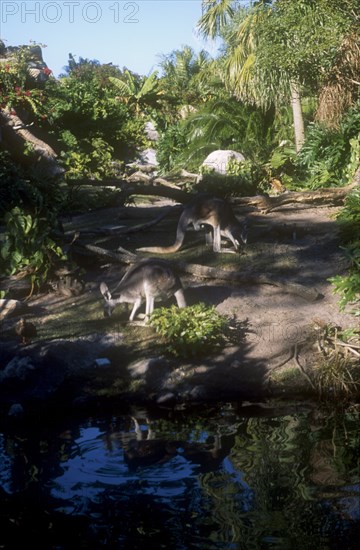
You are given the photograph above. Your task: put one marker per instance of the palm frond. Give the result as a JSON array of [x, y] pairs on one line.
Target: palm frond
[[216, 14]]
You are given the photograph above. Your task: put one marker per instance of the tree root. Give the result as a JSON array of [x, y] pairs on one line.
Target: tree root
[[294, 357]]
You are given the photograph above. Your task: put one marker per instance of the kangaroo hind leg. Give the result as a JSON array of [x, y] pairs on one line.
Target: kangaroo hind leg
[[135, 308]]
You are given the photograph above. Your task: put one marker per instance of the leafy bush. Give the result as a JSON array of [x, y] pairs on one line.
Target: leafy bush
[[87, 158], [19, 187], [330, 157], [192, 331], [242, 179], [16, 92], [28, 247], [348, 286], [170, 147], [89, 125]]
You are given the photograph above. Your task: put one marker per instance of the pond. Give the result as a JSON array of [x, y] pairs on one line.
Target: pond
[[228, 476]]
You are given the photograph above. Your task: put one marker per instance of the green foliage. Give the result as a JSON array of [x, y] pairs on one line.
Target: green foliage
[[189, 79], [226, 124], [338, 373], [18, 187], [170, 147], [87, 158], [90, 125], [16, 91], [192, 332], [348, 286], [242, 179], [329, 157], [217, 124], [28, 247], [139, 93]]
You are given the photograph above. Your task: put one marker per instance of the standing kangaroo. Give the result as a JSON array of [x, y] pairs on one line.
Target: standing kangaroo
[[214, 212], [149, 279]]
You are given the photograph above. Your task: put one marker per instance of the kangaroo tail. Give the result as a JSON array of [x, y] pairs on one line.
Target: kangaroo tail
[[160, 249], [180, 236]]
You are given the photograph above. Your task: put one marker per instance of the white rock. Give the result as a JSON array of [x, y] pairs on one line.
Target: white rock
[[151, 132], [148, 156], [219, 159]]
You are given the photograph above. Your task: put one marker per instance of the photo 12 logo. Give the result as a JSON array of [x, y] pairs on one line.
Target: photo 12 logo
[[69, 12]]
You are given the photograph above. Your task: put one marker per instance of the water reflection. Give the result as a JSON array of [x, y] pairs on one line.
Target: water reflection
[[215, 478]]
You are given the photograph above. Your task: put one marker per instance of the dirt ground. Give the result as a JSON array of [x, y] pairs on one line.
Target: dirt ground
[[298, 244]]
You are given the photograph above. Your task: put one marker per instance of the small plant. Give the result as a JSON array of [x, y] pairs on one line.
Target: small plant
[[193, 331], [338, 373]]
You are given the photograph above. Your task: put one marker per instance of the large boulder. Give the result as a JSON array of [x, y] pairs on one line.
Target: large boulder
[[219, 159]]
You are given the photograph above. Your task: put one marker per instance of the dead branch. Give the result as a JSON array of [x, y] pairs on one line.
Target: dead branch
[[126, 230], [202, 271], [320, 197], [121, 256], [16, 135]]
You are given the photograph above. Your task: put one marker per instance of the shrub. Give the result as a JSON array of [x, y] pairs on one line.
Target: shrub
[[242, 179], [28, 247], [337, 375], [192, 331], [330, 156], [170, 147], [348, 286]]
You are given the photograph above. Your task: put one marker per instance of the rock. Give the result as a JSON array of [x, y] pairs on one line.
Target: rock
[[166, 398], [198, 393], [219, 159], [148, 156], [102, 362], [151, 132], [19, 368], [16, 411], [38, 71], [139, 177]]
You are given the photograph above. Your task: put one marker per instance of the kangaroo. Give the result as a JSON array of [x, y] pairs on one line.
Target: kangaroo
[[210, 211], [149, 279]]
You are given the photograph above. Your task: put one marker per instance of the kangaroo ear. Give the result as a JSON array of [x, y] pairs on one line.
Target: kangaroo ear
[[105, 291]]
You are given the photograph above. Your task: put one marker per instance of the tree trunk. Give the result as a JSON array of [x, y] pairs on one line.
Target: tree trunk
[[297, 116], [16, 136]]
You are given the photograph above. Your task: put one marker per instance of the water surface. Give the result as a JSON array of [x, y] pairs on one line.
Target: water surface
[[224, 477]]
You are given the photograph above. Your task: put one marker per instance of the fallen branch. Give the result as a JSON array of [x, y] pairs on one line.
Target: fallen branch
[[309, 294], [319, 197], [202, 271], [121, 256], [126, 230]]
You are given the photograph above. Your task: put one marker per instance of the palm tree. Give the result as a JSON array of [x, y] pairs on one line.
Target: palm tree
[[277, 48], [242, 78], [188, 78], [341, 88]]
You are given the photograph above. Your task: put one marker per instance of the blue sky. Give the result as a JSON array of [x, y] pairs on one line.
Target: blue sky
[[127, 33]]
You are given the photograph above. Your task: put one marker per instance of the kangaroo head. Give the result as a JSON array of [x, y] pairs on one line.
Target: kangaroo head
[[239, 232], [109, 303]]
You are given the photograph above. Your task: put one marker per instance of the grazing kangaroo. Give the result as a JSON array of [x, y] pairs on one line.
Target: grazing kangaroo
[[149, 279], [210, 211]]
